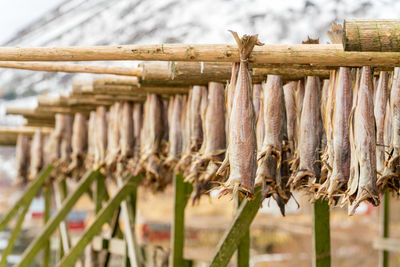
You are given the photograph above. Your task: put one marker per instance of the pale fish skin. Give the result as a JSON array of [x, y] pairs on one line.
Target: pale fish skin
[[341, 140], [36, 154], [289, 91], [362, 183], [310, 136], [101, 135]]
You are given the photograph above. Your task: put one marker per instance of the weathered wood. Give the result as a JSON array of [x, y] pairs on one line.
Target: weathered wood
[[8, 135], [182, 191], [27, 196], [371, 35], [47, 212], [321, 54], [389, 244], [38, 243], [289, 74], [128, 220], [243, 250], [71, 67], [236, 231], [101, 218], [59, 195], [321, 239], [384, 228], [116, 80], [14, 235]]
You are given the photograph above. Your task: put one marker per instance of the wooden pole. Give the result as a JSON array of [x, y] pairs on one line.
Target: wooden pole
[[321, 234], [38, 243], [101, 218], [128, 220], [47, 211], [384, 228], [371, 35], [60, 194], [236, 231], [27, 196], [314, 54], [8, 135], [71, 67], [243, 251], [14, 235], [182, 191]]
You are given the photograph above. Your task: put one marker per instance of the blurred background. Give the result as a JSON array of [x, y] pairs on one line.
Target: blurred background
[[276, 241]]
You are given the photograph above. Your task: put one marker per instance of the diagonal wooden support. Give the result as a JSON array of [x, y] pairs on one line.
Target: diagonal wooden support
[[384, 228], [128, 220], [14, 236], [321, 234], [55, 221], [27, 196], [182, 191], [236, 231], [243, 250], [101, 218]]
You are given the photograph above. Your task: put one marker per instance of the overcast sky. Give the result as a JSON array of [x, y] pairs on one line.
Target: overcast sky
[[15, 14]]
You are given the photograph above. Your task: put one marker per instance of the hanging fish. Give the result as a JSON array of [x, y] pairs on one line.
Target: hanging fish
[[91, 141], [269, 158], [22, 159], [341, 142], [362, 181], [175, 132], [308, 169], [113, 137], [242, 146], [36, 155], [391, 174], [289, 91], [101, 136], [79, 144]]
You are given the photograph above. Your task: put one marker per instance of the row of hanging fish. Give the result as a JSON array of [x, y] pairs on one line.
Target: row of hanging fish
[[337, 139]]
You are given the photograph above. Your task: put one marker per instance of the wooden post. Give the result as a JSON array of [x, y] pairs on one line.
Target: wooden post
[[384, 231], [101, 218], [236, 231], [60, 194], [182, 191], [371, 35], [128, 219], [51, 226], [47, 211], [14, 236], [243, 251], [321, 234], [27, 196]]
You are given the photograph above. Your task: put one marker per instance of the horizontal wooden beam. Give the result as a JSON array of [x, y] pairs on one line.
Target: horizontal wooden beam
[[372, 35], [71, 68], [314, 54], [389, 244], [9, 135]]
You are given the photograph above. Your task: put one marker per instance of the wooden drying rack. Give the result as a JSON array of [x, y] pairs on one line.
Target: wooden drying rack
[[365, 42]]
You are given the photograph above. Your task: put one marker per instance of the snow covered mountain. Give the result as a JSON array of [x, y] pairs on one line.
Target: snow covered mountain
[[111, 22]]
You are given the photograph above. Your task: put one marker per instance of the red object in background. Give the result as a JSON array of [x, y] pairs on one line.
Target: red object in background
[[77, 225], [37, 214]]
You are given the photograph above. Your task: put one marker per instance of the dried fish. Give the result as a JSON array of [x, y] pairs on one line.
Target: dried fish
[[113, 137], [22, 159], [269, 158], [257, 91], [151, 138], [185, 160], [289, 91], [341, 142], [175, 132], [100, 136], [66, 138], [391, 174], [36, 154], [79, 143], [362, 181], [310, 137], [242, 146], [126, 131], [91, 141]]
